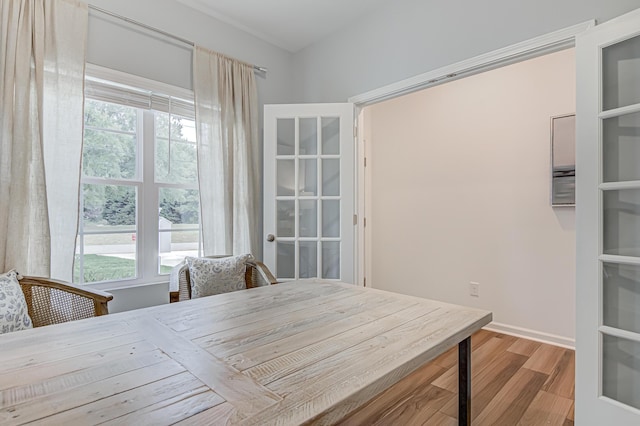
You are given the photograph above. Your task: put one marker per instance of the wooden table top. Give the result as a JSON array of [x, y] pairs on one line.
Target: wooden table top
[[305, 351]]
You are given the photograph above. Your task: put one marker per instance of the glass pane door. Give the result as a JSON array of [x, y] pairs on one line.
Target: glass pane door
[[308, 197], [607, 387], [620, 214], [309, 191]]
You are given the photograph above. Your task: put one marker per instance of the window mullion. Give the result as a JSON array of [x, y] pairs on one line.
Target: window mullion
[[79, 255], [148, 202]]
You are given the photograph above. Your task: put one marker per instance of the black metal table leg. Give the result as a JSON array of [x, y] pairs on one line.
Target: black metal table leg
[[464, 382]]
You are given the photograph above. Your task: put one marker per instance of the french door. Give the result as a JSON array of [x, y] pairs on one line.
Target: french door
[[309, 191], [608, 223]]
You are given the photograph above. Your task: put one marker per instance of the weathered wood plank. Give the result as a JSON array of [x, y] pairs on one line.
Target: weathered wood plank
[[298, 361], [128, 401], [217, 321], [24, 384], [376, 354], [222, 414], [261, 354], [50, 403], [255, 297], [44, 343], [208, 312], [48, 360], [248, 396], [273, 328], [172, 410]]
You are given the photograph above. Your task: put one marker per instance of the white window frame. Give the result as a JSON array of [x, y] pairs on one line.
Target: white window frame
[[147, 223]]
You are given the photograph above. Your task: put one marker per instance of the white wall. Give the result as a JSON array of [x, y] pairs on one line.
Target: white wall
[[409, 37], [182, 21], [459, 192], [116, 44]]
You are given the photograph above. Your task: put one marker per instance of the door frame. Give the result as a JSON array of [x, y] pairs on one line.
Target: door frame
[[528, 49]]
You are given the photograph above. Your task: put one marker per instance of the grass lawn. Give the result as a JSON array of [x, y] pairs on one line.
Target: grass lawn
[[108, 268]]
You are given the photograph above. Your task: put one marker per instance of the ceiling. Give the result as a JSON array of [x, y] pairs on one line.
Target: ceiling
[[289, 24]]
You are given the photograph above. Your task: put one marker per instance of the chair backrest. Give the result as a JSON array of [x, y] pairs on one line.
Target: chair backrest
[[256, 275], [52, 302]]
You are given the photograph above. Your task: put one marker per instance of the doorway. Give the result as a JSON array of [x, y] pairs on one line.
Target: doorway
[[457, 195]]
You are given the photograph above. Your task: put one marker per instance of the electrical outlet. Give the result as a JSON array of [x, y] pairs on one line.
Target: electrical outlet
[[474, 289]]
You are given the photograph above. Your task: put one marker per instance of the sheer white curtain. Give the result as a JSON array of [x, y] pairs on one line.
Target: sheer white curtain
[[227, 133], [42, 54]]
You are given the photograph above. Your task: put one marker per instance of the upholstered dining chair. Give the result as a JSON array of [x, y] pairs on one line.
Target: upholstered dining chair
[[256, 275], [51, 301]]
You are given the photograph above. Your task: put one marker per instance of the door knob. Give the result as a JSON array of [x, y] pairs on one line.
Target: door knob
[[271, 238]]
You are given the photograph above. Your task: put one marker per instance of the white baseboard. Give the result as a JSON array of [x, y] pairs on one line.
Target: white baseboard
[[538, 336]]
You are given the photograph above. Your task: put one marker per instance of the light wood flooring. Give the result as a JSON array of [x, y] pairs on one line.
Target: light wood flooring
[[514, 382]]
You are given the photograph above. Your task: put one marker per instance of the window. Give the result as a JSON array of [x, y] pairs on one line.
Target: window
[[139, 209]]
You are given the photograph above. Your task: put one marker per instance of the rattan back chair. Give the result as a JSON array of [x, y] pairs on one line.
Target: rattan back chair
[[52, 302], [256, 275]]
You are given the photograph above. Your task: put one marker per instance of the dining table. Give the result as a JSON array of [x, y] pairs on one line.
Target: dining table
[[300, 352]]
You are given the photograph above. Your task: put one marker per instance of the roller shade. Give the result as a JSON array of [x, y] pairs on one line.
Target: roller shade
[[108, 91]]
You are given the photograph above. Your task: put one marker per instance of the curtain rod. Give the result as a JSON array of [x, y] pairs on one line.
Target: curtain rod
[[157, 30]]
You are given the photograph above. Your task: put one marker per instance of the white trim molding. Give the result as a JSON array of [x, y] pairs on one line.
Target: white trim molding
[[538, 336], [548, 43]]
